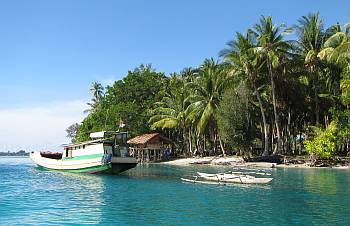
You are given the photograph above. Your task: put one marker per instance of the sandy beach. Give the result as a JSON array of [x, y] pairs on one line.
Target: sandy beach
[[237, 162], [219, 161]]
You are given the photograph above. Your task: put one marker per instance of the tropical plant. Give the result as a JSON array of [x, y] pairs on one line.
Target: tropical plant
[[72, 131], [272, 47], [244, 63], [324, 144], [311, 38], [233, 117], [97, 94], [207, 90]]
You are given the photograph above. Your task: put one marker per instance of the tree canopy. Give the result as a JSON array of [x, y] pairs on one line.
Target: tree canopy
[[266, 95]]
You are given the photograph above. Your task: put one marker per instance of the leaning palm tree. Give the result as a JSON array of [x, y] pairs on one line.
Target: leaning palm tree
[[207, 91], [240, 55], [311, 39], [272, 47]]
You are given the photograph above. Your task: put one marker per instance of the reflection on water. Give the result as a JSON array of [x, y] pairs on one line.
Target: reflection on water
[[322, 182], [153, 195]]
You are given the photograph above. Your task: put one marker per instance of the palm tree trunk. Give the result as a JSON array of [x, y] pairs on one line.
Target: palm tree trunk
[[222, 147], [289, 134], [266, 138], [317, 104], [277, 151], [190, 140], [184, 141]]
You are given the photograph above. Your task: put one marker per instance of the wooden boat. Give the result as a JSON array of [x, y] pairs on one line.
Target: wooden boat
[[107, 152], [234, 178], [203, 181], [247, 173], [51, 155]]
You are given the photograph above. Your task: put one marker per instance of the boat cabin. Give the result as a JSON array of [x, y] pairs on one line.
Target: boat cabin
[[105, 142]]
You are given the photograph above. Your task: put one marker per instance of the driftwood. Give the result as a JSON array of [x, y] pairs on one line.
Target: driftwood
[[270, 158], [330, 162]]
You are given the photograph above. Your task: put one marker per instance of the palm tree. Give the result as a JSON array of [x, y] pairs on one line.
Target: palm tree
[[240, 55], [337, 51], [207, 90], [311, 39], [97, 90], [170, 112], [97, 93], [273, 48]]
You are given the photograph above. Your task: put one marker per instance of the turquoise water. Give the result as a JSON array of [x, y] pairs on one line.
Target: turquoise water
[[154, 195]]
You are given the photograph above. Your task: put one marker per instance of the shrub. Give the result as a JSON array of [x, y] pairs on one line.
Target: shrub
[[324, 144]]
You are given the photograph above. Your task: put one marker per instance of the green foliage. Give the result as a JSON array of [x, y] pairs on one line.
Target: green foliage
[[169, 113], [267, 89], [342, 118], [324, 143], [233, 117], [129, 99], [72, 131], [206, 93]]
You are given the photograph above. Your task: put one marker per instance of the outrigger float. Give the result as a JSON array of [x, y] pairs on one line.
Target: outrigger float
[[228, 178], [107, 152]]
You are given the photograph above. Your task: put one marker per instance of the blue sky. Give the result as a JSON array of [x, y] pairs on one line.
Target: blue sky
[[51, 51]]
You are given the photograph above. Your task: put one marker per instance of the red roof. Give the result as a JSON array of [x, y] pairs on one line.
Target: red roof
[[149, 138]]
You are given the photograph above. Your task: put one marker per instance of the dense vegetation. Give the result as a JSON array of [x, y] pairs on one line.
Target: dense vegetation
[[268, 95]]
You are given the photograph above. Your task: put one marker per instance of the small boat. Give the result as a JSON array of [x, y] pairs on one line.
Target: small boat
[[202, 181], [107, 152], [249, 172], [234, 178]]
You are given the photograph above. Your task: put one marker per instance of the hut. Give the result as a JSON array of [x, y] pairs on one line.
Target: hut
[[149, 147]]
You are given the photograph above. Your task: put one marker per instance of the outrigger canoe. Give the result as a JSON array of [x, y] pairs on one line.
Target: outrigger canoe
[[226, 178]]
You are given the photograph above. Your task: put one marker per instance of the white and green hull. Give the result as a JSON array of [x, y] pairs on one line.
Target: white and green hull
[[92, 163]]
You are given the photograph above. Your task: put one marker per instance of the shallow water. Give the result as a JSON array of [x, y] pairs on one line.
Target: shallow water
[[154, 195]]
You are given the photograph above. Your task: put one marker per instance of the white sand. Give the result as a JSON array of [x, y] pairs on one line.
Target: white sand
[[219, 161], [238, 162]]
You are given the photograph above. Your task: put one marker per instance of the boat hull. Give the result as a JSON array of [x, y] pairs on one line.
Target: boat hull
[[90, 170], [87, 164], [234, 178]]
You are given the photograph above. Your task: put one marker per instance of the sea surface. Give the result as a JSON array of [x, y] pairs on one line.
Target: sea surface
[[154, 195]]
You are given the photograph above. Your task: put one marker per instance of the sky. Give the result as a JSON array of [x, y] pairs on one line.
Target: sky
[[51, 51]]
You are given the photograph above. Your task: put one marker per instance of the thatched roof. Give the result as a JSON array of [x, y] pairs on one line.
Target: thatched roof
[[150, 138]]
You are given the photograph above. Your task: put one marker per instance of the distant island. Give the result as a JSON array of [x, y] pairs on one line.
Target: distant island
[[18, 153]]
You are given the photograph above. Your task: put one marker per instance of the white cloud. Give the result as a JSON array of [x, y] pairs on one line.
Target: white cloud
[[38, 128]]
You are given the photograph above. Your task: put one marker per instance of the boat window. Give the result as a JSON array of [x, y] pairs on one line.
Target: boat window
[[83, 146], [69, 154], [108, 149], [116, 151]]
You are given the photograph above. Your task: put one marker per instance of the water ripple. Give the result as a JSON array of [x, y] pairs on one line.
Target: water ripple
[[154, 195]]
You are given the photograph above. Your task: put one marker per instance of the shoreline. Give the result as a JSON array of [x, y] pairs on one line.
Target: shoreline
[[239, 162]]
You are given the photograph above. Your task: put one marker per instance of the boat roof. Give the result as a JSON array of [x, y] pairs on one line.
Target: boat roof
[[83, 143], [103, 134], [97, 137]]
